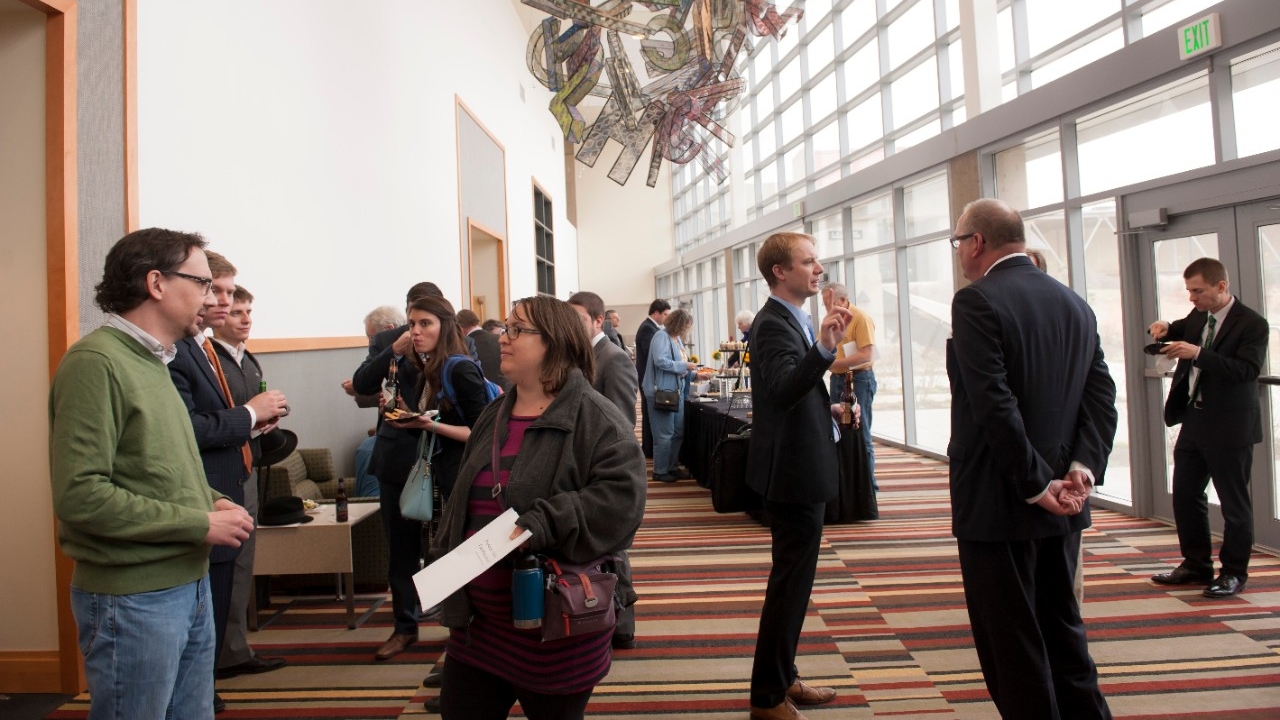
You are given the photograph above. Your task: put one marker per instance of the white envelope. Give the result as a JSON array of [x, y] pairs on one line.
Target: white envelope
[[464, 563]]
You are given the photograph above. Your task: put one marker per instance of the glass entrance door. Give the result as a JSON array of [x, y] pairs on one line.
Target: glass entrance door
[[1247, 240]]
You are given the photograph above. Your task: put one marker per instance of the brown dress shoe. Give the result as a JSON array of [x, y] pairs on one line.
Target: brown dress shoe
[[802, 693], [784, 710], [395, 645]]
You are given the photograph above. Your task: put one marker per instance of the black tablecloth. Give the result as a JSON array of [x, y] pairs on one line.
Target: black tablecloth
[[707, 423]]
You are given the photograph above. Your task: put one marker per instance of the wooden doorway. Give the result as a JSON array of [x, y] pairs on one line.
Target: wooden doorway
[[487, 253]]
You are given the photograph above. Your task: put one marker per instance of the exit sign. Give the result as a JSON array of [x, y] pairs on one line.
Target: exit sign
[[1199, 37]]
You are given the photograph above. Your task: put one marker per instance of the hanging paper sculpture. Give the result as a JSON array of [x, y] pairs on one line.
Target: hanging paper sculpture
[[689, 49]]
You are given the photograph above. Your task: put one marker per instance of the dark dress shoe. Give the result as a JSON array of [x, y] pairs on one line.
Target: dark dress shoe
[[395, 645], [432, 705], [624, 642], [433, 679], [1182, 576], [682, 474], [218, 704], [663, 477], [252, 666], [802, 693], [1225, 586]]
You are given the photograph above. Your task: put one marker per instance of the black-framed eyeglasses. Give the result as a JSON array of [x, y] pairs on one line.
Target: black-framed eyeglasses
[[957, 239], [205, 282], [515, 331]]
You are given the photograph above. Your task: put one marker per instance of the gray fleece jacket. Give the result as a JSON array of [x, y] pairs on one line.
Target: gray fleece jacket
[[578, 483]]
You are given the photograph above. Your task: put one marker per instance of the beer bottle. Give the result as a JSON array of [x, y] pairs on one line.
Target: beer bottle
[[340, 501], [262, 386], [391, 390], [847, 401]]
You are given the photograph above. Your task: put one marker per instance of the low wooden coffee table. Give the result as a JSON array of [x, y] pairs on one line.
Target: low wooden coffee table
[[320, 546]]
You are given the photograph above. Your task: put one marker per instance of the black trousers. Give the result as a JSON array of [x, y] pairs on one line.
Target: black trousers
[[1027, 628], [796, 530], [221, 576], [469, 693], [1195, 463], [404, 543]]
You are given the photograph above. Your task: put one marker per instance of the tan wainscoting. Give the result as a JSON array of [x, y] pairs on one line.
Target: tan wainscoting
[[30, 671], [273, 345]]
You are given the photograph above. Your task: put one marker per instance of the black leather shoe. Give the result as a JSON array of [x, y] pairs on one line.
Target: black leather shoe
[[1225, 586], [218, 704], [1182, 576], [252, 666], [432, 679], [663, 477], [432, 705]]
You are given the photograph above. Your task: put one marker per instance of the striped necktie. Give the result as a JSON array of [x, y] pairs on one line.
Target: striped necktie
[[245, 452], [1208, 341]]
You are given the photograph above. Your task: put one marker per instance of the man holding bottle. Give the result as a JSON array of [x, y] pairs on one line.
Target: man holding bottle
[[223, 430], [244, 380]]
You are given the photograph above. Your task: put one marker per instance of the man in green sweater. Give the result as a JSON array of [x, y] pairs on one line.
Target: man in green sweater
[[134, 510]]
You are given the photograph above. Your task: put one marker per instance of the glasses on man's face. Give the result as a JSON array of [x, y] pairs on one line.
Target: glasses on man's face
[[204, 282], [515, 331], [957, 239]]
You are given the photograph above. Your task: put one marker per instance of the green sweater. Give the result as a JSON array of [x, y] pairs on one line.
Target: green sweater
[[128, 487]]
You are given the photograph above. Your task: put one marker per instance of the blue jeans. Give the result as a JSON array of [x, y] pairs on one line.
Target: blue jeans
[[668, 434], [147, 655], [366, 483]]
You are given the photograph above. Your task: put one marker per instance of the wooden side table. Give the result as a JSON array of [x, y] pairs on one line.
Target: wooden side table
[[320, 546]]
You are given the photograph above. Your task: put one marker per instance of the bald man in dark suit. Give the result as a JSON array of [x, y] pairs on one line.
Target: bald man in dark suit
[[1032, 422]]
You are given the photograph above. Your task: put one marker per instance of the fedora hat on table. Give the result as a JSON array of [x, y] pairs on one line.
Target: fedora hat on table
[[287, 510]]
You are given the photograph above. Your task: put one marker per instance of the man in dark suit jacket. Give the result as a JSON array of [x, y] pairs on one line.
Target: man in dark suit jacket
[[486, 348], [222, 428], [658, 310], [791, 462], [244, 376], [615, 378], [1220, 346], [1032, 421]]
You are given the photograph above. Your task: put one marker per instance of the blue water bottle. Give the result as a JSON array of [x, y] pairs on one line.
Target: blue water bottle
[[526, 593]]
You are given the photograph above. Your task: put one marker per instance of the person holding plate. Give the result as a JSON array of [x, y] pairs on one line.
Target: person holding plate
[[435, 336]]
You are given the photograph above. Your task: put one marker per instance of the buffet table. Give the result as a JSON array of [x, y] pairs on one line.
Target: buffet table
[[708, 422]]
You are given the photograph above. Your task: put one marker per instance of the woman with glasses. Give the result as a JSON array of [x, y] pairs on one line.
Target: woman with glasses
[[668, 368], [575, 474], [434, 332]]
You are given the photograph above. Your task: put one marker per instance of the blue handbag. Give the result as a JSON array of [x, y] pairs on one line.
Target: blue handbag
[[417, 499]]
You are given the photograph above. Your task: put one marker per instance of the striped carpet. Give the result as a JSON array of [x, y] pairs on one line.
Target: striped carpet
[[887, 626]]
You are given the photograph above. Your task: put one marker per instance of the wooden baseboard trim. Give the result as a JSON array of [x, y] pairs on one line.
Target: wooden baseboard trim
[[30, 671]]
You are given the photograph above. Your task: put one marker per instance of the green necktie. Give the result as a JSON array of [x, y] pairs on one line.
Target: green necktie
[[1208, 340]]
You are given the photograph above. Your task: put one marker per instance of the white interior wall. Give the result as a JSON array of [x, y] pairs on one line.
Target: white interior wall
[[27, 598], [313, 142], [623, 232]]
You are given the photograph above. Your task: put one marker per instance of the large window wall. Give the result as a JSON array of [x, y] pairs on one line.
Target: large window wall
[[1066, 172]]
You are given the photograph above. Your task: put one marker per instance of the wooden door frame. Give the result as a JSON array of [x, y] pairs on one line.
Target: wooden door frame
[[59, 671], [472, 226]]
